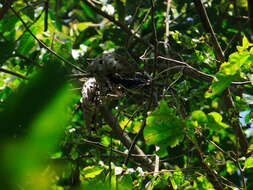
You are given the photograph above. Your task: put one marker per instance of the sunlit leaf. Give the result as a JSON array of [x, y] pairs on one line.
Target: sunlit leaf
[[199, 116], [231, 168], [218, 85], [248, 98], [246, 43], [249, 163], [215, 121], [106, 140], [250, 78], [92, 171], [83, 25], [164, 128]]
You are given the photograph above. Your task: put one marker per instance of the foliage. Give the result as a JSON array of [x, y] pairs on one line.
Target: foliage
[[187, 127]]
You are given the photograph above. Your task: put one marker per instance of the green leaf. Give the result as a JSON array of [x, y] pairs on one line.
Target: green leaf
[[235, 63], [250, 149], [92, 171], [247, 118], [164, 128], [106, 140], [83, 25], [32, 115], [249, 163], [250, 76], [199, 116], [229, 69], [215, 121], [30, 99], [8, 28], [56, 155], [29, 11], [246, 43], [218, 85], [26, 44], [231, 168], [87, 10], [6, 49], [251, 51]]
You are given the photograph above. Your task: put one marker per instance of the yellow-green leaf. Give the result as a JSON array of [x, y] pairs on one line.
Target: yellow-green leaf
[[231, 168], [92, 171], [249, 163], [246, 43], [199, 116], [83, 25], [215, 121]]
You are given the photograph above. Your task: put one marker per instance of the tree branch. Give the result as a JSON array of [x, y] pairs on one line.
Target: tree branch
[[209, 29], [229, 103], [135, 15], [211, 176], [13, 73], [124, 138]]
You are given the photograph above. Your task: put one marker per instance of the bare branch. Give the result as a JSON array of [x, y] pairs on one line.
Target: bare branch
[[167, 25], [124, 138], [135, 14], [209, 29], [46, 7], [13, 73], [211, 174]]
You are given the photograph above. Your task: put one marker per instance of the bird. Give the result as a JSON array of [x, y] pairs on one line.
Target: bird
[[113, 75]]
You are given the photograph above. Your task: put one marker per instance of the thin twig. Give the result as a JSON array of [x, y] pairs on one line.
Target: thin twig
[[167, 25], [211, 174], [110, 161], [219, 148], [155, 36], [135, 15], [198, 73], [226, 96], [30, 25], [43, 44], [207, 76], [101, 146], [13, 73], [131, 117], [46, 7], [27, 59], [56, 19], [121, 25], [137, 28], [133, 144], [209, 29], [239, 165], [124, 138], [151, 99]]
